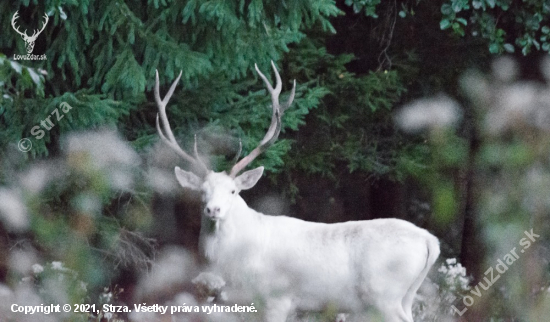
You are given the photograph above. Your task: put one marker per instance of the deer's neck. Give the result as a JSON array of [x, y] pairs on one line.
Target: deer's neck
[[221, 238]]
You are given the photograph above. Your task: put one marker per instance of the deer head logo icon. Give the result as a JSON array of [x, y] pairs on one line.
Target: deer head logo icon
[[29, 40]]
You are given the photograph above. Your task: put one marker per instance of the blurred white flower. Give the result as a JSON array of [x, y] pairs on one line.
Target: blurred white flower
[[13, 211], [512, 104], [57, 288], [184, 298], [454, 275], [36, 178], [517, 105], [477, 87], [88, 203], [162, 181], [58, 266], [104, 147], [43, 173], [505, 69], [22, 261], [174, 267], [106, 296], [536, 185], [209, 285], [104, 150], [121, 179], [428, 113], [435, 299], [37, 269], [209, 280]]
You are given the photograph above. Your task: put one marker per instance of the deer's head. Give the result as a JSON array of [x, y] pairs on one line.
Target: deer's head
[[220, 190], [29, 40]]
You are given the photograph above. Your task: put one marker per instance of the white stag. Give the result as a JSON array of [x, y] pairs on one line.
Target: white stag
[[295, 264]]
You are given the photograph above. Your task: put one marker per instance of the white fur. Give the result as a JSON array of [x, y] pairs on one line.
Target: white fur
[[291, 263]]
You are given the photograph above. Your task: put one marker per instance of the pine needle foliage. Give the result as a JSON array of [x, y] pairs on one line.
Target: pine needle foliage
[[352, 128], [102, 56]]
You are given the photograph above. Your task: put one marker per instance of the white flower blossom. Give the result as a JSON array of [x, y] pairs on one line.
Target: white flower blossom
[[13, 211], [58, 266], [37, 268], [429, 113]]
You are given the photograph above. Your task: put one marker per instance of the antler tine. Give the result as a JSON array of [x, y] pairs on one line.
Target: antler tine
[[171, 140], [198, 158], [173, 145], [13, 19], [38, 32], [278, 85], [275, 127], [161, 103], [290, 98], [238, 154], [45, 23]]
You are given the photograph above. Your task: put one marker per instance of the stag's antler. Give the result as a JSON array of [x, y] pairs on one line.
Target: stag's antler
[[36, 32], [171, 140], [24, 34], [275, 126], [13, 19]]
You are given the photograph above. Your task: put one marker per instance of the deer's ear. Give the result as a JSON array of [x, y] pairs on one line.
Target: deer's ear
[[188, 179], [249, 178]]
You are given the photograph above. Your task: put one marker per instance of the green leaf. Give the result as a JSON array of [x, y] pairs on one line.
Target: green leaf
[[509, 48], [446, 9], [462, 21], [444, 24], [494, 48], [457, 28], [458, 6]]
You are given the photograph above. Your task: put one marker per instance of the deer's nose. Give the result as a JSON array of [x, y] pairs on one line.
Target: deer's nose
[[212, 211]]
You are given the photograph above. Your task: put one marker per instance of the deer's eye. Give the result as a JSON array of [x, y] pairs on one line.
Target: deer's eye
[[233, 192]]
